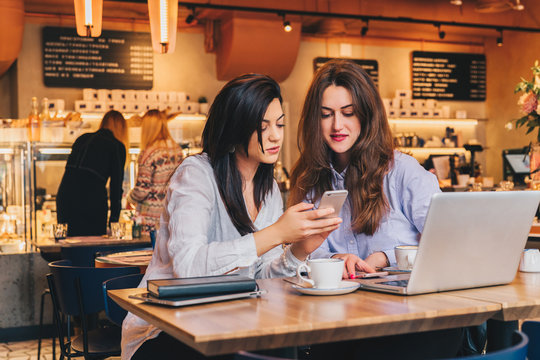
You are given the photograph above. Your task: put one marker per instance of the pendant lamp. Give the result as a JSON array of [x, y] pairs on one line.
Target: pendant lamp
[[88, 17], [163, 24]]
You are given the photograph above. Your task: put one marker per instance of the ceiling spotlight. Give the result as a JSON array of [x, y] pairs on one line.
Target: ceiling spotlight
[[456, 2], [442, 34], [518, 6], [190, 17], [287, 27], [364, 29], [500, 38]]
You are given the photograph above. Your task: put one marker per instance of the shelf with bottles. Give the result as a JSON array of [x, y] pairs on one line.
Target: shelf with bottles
[[427, 137], [64, 127]]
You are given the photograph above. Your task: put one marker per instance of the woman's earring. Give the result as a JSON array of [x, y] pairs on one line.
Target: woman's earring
[[232, 149]]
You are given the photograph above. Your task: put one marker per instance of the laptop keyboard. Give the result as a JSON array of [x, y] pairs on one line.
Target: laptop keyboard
[[401, 283]]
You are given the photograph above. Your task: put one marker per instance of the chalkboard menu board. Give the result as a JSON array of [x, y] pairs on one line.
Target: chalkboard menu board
[[115, 60], [370, 66], [448, 76]]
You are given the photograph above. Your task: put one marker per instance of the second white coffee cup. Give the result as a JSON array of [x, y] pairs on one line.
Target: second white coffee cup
[[323, 273], [405, 256]]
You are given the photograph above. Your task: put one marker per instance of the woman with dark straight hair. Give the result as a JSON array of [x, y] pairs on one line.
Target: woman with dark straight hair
[[223, 210]]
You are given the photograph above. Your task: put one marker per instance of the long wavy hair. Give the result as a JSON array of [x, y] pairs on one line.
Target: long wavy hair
[[236, 113], [154, 129], [115, 122], [372, 154]]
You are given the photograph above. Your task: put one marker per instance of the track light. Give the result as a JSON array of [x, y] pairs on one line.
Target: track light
[[364, 29], [442, 34], [287, 27], [518, 6], [500, 38], [190, 17]]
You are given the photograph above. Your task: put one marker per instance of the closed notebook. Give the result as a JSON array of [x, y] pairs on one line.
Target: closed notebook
[[201, 286]]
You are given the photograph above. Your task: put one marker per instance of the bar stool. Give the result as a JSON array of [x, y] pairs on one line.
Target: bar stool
[[76, 291]]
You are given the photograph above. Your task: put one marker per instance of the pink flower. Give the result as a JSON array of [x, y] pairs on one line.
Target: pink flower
[[530, 103]]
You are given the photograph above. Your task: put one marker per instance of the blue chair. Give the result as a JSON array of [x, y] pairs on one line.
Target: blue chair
[[114, 312], [518, 350], [84, 255], [532, 329], [76, 292]]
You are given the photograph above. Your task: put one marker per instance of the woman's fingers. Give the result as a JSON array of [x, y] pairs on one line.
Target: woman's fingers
[[302, 206], [319, 213]]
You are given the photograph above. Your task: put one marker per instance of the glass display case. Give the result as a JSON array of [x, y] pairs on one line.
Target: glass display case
[[15, 197], [49, 161]]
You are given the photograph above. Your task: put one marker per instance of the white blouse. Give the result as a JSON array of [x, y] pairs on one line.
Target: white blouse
[[197, 238]]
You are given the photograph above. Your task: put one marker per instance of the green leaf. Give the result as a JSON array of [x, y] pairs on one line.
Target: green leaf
[[529, 130]]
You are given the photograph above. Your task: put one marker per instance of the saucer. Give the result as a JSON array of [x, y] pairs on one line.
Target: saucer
[[345, 287]]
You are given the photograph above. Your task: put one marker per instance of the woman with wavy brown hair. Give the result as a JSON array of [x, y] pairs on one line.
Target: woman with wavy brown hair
[[345, 142]]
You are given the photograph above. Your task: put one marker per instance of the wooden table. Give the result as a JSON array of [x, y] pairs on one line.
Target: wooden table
[[50, 245], [140, 258], [283, 317]]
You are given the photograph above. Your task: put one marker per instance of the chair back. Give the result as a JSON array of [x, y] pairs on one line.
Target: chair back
[[532, 329], [518, 350], [85, 255], [114, 312], [89, 279]]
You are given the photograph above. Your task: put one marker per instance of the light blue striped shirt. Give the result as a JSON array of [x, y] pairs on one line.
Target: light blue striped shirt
[[408, 188]]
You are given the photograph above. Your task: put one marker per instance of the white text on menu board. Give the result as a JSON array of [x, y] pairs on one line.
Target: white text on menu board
[[431, 77], [82, 58]]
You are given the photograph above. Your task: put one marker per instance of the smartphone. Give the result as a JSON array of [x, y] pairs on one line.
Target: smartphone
[[364, 275], [333, 199]]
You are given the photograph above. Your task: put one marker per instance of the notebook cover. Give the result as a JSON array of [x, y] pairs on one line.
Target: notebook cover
[[205, 285]]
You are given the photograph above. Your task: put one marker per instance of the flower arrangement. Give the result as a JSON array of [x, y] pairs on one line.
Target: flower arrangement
[[133, 216], [529, 101]]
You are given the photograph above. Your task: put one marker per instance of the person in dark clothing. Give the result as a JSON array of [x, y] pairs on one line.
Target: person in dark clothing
[[81, 201]]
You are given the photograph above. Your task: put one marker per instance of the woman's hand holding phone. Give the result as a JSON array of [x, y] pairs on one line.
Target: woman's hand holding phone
[[297, 225]]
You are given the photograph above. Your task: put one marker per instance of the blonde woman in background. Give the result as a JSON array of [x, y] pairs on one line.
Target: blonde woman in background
[[160, 156], [81, 200]]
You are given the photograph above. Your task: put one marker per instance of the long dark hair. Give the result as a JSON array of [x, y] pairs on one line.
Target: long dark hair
[[371, 156], [236, 113]]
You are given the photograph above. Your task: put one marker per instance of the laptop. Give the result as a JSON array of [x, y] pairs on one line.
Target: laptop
[[470, 239]]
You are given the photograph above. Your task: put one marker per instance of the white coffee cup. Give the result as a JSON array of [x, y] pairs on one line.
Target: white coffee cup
[[323, 273], [530, 260], [405, 256]]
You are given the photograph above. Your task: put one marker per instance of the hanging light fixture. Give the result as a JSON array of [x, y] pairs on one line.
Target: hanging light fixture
[[88, 17], [518, 6], [163, 24]]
